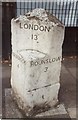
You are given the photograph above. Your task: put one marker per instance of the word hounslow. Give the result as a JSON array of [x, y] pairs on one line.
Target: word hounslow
[[46, 61]]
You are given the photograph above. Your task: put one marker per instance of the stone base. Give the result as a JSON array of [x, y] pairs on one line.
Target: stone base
[[38, 104], [57, 112], [12, 110]]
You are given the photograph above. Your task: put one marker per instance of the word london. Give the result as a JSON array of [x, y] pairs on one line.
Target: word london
[[35, 27]]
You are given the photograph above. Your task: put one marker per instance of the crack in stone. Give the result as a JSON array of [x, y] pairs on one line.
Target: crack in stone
[[39, 88]]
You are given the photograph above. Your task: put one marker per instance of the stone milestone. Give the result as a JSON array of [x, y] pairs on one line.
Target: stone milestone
[[37, 39]]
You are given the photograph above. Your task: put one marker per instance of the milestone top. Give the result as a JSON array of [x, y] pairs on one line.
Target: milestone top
[[40, 15]]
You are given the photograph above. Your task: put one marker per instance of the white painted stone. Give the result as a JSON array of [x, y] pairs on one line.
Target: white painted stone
[[37, 39]]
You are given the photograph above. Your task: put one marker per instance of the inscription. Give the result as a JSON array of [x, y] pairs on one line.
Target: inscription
[[34, 37], [46, 61], [41, 62], [19, 58], [35, 27]]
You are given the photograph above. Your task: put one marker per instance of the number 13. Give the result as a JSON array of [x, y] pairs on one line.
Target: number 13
[[34, 37]]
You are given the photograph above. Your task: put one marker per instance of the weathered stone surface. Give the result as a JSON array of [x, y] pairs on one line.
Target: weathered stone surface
[[37, 39], [12, 111]]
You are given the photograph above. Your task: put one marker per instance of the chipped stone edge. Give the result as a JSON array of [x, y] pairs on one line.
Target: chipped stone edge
[[50, 18]]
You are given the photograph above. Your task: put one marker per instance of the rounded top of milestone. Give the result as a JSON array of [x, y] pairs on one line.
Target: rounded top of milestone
[[40, 15]]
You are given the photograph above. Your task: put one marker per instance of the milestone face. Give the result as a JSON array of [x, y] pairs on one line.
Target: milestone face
[[37, 40]]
